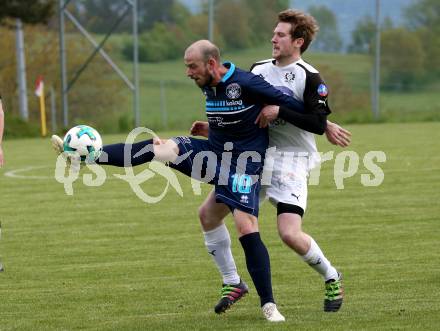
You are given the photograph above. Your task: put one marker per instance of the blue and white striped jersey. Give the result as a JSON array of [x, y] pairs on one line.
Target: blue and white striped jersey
[[233, 105]]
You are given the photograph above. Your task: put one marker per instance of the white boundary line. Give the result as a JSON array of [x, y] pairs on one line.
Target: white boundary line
[[16, 173]]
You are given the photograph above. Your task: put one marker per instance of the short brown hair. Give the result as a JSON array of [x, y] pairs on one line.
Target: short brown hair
[[303, 25]]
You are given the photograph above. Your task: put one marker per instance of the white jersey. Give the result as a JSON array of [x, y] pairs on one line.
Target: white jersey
[[303, 82]]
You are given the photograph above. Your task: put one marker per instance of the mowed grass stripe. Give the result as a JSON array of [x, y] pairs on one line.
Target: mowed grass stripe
[[104, 260]]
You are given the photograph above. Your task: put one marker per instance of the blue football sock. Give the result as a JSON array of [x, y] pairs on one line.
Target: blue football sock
[[115, 154], [258, 265]]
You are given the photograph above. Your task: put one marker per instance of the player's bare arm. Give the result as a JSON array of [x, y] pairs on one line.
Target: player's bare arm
[[337, 135]]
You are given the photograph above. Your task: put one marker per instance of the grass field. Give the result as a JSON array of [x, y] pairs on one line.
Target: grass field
[[104, 260]]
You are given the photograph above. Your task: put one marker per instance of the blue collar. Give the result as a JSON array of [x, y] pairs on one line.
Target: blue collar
[[230, 71]]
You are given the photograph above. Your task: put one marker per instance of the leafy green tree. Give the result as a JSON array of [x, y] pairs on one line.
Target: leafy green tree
[[245, 23], [423, 13], [152, 11], [233, 20], [197, 26], [387, 24], [328, 38], [402, 58], [163, 42], [423, 17], [362, 36], [179, 13], [29, 11], [262, 17], [99, 15], [98, 97]]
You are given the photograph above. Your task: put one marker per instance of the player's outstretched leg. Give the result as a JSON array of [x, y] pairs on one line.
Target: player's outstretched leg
[[138, 153], [334, 294], [57, 144], [71, 162], [230, 294]]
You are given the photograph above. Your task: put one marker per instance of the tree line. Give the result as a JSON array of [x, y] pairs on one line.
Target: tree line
[[410, 53]]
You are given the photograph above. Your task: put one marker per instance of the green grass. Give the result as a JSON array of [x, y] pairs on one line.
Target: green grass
[[104, 260], [411, 106]]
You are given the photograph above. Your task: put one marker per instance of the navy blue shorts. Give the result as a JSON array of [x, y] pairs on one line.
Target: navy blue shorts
[[236, 184]]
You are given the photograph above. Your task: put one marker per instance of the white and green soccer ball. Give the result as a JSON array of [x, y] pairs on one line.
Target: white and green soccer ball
[[84, 142]]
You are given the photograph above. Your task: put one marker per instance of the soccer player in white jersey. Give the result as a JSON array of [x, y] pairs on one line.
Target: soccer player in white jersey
[[295, 155]]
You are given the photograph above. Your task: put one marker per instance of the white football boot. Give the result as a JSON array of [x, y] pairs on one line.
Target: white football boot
[[271, 313], [71, 162], [57, 144]]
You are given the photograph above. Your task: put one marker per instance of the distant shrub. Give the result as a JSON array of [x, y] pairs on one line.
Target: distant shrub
[[401, 69], [98, 92], [125, 122], [163, 42], [16, 127], [342, 97]]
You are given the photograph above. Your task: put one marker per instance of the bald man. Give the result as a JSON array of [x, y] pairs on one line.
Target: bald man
[[231, 159]]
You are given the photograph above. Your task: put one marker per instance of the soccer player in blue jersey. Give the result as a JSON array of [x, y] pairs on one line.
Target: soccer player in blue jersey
[[234, 99], [288, 190]]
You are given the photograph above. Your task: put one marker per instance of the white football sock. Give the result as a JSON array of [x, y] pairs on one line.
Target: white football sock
[[218, 243], [316, 259]]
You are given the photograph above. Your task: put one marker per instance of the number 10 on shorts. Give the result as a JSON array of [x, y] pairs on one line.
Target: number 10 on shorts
[[241, 183]]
